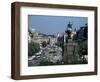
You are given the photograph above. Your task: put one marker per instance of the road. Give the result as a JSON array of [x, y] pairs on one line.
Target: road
[[50, 53]]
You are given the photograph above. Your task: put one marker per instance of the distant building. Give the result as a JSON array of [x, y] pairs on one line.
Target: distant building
[[60, 34], [73, 33], [29, 37], [52, 40], [60, 38], [81, 34], [39, 38]]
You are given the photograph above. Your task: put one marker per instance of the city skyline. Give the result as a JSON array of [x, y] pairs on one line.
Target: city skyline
[[54, 24]]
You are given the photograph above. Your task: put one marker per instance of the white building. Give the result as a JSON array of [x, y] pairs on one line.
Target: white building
[[73, 33], [52, 40], [39, 38], [29, 38]]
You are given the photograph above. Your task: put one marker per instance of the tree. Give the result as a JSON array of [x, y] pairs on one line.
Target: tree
[[60, 41], [44, 44], [46, 63], [30, 33], [33, 48], [85, 34]]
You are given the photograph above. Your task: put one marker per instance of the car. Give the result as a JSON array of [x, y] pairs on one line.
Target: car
[[31, 58], [38, 56]]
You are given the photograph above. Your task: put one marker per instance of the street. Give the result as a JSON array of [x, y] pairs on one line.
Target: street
[[51, 53]]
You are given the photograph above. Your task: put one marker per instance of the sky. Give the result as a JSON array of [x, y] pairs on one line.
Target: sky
[[54, 24]]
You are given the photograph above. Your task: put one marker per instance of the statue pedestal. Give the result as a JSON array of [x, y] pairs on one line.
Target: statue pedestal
[[70, 52]]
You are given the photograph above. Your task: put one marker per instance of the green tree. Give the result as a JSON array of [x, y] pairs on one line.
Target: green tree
[[60, 41], [46, 63], [33, 48], [82, 48], [44, 44]]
